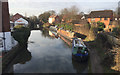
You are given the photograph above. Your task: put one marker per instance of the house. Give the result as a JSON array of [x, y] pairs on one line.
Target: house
[[105, 16], [5, 33], [54, 19], [21, 21], [18, 19]]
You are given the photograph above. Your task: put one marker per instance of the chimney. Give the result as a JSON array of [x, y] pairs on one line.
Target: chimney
[[5, 16]]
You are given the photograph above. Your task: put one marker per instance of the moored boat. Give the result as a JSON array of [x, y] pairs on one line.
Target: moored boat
[[79, 50]]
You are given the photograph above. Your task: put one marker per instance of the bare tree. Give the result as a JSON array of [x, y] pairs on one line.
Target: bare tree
[[69, 13]]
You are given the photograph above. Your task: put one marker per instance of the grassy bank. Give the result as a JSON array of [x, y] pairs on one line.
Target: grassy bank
[[106, 52]]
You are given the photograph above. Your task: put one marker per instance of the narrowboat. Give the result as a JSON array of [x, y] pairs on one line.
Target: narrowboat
[[79, 50]]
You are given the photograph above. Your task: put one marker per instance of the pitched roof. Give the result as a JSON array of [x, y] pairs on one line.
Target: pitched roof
[[16, 17], [101, 14]]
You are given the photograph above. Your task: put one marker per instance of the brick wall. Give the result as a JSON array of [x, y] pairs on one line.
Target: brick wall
[[5, 17], [0, 16]]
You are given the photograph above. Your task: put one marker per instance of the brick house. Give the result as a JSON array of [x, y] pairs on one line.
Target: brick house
[[105, 16], [54, 19]]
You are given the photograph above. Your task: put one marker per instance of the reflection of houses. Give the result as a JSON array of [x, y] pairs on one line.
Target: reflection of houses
[[105, 16], [5, 34], [54, 19], [18, 19]]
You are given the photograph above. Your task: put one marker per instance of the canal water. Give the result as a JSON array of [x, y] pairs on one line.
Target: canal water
[[47, 54]]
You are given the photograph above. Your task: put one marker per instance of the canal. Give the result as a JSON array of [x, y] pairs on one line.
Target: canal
[[47, 54]]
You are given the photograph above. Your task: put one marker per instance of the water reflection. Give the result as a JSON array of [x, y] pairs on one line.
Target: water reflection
[[22, 58], [45, 33], [48, 56], [80, 67]]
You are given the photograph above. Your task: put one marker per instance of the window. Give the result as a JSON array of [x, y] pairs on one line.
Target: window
[[105, 18]]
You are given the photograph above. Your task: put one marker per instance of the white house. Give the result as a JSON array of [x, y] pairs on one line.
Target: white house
[[53, 19], [21, 21], [18, 19]]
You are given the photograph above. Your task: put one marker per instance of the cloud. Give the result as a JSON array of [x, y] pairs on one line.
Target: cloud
[[36, 7], [63, 0]]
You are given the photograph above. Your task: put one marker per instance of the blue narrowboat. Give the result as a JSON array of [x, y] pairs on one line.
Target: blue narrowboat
[[79, 50]]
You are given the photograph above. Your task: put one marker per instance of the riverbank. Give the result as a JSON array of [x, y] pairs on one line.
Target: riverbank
[[98, 52], [107, 53]]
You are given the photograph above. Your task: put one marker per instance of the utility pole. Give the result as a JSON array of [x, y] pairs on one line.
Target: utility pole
[[118, 15]]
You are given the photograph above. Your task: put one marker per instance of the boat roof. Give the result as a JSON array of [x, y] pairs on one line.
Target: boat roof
[[78, 42]]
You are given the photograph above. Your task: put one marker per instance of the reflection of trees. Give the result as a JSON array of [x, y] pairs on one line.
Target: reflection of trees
[[45, 33], [80, 67], [22, 57]]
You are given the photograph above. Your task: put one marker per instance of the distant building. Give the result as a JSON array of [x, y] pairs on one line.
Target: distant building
[[18, 19], [21, 21], [105, 16], [6, 42], [54, 19]]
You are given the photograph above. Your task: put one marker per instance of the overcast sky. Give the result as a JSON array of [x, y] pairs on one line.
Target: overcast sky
[[36, 7]]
